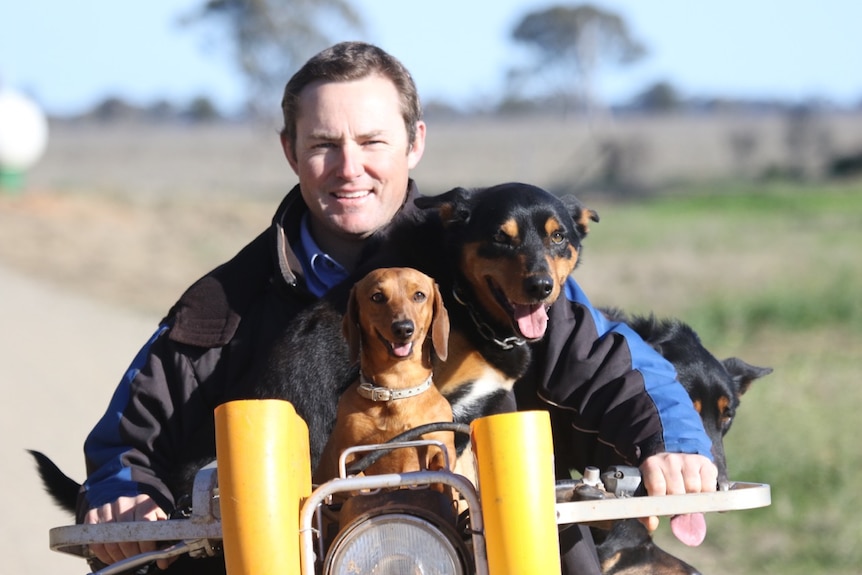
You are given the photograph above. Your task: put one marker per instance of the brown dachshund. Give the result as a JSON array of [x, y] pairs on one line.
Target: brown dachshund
[[395, 321]]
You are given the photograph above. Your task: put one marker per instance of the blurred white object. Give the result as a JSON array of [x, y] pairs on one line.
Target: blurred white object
[[23, 132]]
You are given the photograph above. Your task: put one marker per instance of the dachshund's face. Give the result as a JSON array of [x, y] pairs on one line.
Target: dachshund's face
[[392, 312]]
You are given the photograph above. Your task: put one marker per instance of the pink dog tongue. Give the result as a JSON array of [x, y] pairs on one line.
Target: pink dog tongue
[[690, 529], [402, 350], [532, 320]]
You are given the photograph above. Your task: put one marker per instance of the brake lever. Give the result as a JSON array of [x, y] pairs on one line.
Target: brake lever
[[175, 550]]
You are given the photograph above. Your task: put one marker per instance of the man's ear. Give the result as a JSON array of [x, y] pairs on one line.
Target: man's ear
[[289, 152], [417, 147]]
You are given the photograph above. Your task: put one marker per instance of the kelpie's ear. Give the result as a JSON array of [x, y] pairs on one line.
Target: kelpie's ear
[[350, 326], [581, 214], [440, 326], [744, 373], [454, 205]]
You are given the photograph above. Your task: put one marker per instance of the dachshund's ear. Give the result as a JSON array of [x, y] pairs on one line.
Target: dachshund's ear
[[350, 326], [454, 206], [440, 326], [580, 214]]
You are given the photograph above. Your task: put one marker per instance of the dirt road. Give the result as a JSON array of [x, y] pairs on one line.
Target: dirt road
[[60, 359]]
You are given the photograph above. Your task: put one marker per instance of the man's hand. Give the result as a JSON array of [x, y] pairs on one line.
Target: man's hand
[[138, 508], [675, 474]]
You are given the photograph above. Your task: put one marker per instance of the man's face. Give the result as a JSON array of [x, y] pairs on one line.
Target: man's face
[[352, 155]]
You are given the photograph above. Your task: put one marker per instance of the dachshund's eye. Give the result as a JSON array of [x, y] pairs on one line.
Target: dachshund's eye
[[378, 297], [419, 297], [501, 237], [558, 237]]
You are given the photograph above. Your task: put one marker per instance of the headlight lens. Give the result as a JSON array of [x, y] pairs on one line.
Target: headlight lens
[[393, 544]]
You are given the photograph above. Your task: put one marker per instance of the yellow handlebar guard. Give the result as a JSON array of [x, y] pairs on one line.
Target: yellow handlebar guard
[[260, 511]]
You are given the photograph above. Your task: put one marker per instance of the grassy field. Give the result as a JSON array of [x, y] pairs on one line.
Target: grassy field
[[768, 273]]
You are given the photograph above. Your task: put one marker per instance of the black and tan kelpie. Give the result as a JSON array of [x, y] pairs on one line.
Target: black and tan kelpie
[[715, 387]]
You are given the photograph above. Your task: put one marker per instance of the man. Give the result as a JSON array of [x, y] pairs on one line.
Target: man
[[352, 133]]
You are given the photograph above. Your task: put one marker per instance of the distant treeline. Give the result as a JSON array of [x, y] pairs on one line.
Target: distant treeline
[[630, 155]]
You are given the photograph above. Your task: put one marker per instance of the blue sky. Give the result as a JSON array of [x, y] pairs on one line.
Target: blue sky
[[70, 55]]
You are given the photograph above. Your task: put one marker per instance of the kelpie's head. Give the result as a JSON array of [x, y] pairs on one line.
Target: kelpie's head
[[515, 244], [389, 312], [715, 386]]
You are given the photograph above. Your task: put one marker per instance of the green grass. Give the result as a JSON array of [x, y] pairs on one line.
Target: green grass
[[837, 304], [774, 276]]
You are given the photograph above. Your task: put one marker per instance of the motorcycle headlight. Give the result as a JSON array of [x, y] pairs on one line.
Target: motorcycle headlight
[[393, 544]]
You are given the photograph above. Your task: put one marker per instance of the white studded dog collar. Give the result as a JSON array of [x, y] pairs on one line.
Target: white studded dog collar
[[368, 390]]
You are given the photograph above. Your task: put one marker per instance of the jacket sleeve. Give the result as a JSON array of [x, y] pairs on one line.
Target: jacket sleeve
[[133, 448], [614, 399]]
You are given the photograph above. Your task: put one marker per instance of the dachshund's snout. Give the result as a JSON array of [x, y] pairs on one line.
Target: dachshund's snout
[[403, 329]]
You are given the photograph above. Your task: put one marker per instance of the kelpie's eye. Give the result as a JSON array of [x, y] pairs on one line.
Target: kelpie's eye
[[558, 237], [419, 297], [501, 237], [726, 420], [378, 297]]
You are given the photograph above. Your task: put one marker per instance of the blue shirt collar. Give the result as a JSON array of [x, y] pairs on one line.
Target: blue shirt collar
[[322, 272]]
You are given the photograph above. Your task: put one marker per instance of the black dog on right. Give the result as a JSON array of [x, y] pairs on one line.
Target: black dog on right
[[715, 387]]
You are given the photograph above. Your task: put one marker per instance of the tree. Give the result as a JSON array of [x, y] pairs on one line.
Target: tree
[[270, 39], [571, 42], [659, 97], [202, 110]]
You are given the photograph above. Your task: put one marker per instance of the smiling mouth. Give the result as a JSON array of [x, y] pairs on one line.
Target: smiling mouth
[[355, 195], [530, 319], [401, 349], [397, 349]]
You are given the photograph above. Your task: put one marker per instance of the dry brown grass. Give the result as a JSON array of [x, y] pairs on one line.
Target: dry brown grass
[[116, 250]]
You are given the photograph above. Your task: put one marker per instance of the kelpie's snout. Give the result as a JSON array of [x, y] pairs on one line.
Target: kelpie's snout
[[539, 286], [403, 329]]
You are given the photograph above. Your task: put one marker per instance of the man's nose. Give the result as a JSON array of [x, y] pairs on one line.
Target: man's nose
[[351, 162]]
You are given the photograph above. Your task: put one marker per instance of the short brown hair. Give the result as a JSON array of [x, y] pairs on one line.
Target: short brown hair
[[345, 62]]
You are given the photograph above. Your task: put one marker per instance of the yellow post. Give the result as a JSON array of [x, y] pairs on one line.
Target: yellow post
[[263, 473], [515, 472]]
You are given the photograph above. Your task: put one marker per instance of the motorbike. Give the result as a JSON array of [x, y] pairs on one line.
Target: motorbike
[[257, 506]]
